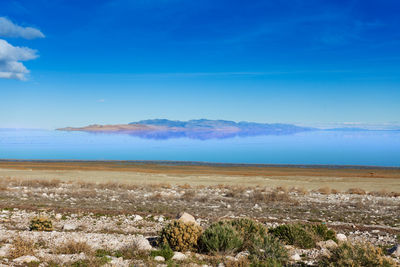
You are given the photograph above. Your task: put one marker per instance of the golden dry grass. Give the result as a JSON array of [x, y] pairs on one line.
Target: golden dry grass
[[130, 175], [21, 247], [73, 247]]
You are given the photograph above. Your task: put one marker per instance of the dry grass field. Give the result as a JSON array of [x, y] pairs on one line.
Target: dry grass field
[[310, 178]]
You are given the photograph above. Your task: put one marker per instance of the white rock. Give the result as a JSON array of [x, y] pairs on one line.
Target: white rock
[[4, 250], [329, 244], [160, 219], [179, 256], [243, 254], [341, 237], [69, 227], [230, 258], [186, 218], [142, 243], [58, 216], [25, 259], [159, 258], [295, 257], [137, 218]]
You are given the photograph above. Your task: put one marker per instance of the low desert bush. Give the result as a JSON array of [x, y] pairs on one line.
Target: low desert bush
[[131, 251], [303, 235], [323, 233], [21, 247], [274, 196], [189, 195], [294, 234], [356, 191], [325, 190], [268, 251], [357, 255], [73, 247], [235, 191], [220, 238], [249, 230], [41, 224], [299, 190], [181, 236]]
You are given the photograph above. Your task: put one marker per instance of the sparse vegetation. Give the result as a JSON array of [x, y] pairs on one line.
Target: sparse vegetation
[[268, 250], [357, 255], [249, 230], [164, 251], [303, 235], [112, 210], [73, 247], [21, 247]]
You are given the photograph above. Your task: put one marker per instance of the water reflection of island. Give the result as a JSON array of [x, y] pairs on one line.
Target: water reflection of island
[[195, 129]]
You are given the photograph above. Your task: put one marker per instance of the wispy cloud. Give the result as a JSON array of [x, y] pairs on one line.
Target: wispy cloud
[[10, 57], [9, 29]]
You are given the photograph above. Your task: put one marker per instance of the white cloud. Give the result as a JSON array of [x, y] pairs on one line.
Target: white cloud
[[10, 57], [9, 29]]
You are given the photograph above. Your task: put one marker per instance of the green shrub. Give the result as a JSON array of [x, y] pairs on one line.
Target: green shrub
[[181, 236], [323, 232], [303, 235], [357, 255], [268, 251], [220, 238], [41, 224], [165, 251], [294, 234], [248, 229]]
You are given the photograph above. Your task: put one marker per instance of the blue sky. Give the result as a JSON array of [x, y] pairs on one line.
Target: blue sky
[[73, 63]]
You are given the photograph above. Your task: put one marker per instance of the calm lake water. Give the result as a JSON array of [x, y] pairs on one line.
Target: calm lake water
[[380, 148]]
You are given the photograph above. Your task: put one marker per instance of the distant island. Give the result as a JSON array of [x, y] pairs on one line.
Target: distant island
[[204, 129], [196, 129]]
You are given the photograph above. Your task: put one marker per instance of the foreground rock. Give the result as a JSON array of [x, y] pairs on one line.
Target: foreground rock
[[179, 256], [26, 259], [186, 218]]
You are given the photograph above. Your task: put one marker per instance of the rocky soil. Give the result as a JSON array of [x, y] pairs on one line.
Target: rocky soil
[[113, 217]]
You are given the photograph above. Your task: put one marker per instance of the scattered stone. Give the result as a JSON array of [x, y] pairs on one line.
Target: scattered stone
[[159, 258], [179, 256], [243, 254], [137, 218], [4, 250], [186, 218], [341, 237], [26, 259], [230, 258], [142, 243], [295, 257], [329, 244], [69, 227], [58, 216]]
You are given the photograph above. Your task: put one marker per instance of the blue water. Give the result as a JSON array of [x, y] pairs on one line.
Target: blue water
[[379, 148]]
